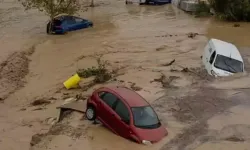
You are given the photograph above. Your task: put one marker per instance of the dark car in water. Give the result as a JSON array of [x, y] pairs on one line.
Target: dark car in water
[[158, 2], [149, 2], [66, 23], [125, 113]]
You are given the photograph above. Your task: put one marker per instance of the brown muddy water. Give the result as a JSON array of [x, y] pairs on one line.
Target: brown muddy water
[[138, 41]]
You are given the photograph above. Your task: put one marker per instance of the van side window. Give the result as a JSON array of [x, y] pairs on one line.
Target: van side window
[[212, 57]]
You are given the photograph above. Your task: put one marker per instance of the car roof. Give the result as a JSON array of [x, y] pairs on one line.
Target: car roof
[[132, 98], [62, 17], [226, 49]]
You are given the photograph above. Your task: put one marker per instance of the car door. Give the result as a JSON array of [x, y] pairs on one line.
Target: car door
[[105, 108], [121, 119], [71, 23], [79, 23]]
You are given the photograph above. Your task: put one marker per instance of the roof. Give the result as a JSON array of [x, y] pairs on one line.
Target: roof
[[132, 98], [62, 17], [226, 49]]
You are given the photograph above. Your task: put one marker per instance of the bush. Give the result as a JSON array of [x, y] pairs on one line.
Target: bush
[[100, 72], [202, 10], [231, 10]]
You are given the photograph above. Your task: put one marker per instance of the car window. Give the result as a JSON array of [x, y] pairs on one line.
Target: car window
[[70, 20], [228, 64], [122, 110], [212, 57], [145, 117], [77, 20], [108, 98]]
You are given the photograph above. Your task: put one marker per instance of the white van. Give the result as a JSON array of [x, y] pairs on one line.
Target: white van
[[222, 59]]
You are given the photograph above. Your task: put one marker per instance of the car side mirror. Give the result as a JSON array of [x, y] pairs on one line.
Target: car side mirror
[[126, 121]]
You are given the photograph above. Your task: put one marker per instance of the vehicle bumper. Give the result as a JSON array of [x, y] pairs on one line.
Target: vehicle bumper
[[59, 31]]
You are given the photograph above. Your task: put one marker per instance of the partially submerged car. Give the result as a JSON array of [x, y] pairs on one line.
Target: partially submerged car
[[65, 23], [158, 2], [148, 2], [125, 113], [222, 58]]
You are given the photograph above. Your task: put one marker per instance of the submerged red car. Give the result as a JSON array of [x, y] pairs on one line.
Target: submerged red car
[[125, 113]]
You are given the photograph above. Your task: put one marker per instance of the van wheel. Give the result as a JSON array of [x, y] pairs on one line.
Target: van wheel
[[90, 113]]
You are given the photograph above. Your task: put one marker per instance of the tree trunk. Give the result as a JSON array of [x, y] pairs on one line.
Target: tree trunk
[[51, 26], [92, 3]]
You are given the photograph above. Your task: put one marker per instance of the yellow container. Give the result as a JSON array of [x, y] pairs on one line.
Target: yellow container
[[72, 82]]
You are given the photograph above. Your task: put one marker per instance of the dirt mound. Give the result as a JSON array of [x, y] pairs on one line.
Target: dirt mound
[[12, 72]]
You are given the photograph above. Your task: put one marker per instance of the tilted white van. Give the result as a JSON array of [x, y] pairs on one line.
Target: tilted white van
[[222, 58]]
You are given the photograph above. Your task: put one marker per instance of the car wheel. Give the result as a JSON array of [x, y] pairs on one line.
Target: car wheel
[[90, 113]]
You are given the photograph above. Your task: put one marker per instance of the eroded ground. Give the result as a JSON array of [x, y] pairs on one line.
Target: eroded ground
[[138, 42]]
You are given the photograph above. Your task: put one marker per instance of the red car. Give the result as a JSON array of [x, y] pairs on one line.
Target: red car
[[126, 113]]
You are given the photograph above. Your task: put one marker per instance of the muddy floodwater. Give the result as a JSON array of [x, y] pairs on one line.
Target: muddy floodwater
[[138, 42]]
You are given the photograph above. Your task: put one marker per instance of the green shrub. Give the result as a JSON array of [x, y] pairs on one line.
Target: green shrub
[[231, 10], [100, 72], [202, 10]]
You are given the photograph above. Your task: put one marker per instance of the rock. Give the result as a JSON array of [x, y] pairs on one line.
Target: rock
[[192, 35], [37, 138], [236, 25], [40, 102], [22, 109]]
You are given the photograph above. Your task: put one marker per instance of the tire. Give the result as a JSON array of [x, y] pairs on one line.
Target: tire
[[90, 113]]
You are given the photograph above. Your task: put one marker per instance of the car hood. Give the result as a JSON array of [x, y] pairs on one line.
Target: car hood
[[152, 135], [220, 72]]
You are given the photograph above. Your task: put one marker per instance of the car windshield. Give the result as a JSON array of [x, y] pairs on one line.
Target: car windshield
[[145, 117], [228, 64]]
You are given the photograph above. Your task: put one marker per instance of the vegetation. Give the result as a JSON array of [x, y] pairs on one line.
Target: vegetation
[[53, 8], [101, 73], [231, 10], [203, 9]]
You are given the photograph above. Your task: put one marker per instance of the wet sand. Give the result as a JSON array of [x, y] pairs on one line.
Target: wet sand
[[135, 40]]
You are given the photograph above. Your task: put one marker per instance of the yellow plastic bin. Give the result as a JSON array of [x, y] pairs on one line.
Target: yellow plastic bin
[[72, 82]]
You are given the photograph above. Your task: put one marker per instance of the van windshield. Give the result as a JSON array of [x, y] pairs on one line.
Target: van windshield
[[145, 117], [228, 64]]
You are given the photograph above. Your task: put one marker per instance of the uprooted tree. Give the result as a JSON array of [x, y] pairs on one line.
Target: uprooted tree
[[231, 10], [53, 8]]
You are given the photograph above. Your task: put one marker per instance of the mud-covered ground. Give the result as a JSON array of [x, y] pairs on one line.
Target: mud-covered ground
[[138, 42]]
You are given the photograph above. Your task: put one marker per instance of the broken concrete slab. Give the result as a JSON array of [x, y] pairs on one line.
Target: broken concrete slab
[[79, 106]]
